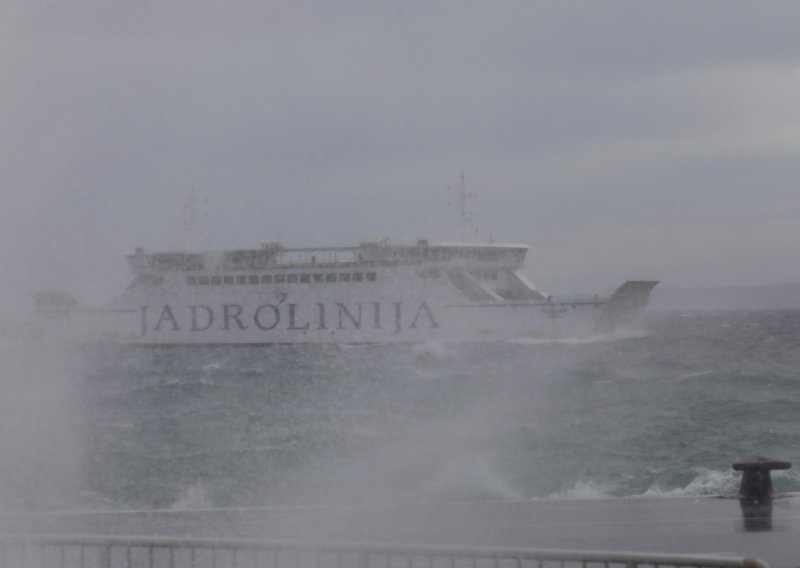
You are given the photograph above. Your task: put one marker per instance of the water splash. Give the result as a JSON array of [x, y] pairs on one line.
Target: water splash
[[707, 482], [471, 476], [585, 490], [193, 498]]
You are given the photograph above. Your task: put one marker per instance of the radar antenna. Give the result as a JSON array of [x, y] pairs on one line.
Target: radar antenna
[[464, 215]]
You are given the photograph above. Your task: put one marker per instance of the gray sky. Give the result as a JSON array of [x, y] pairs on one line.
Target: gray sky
[[619, 139]]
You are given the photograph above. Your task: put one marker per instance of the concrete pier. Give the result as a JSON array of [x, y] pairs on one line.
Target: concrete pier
[[703, 525]]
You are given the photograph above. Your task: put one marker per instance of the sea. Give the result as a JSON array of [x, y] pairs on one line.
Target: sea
[[659, 410]]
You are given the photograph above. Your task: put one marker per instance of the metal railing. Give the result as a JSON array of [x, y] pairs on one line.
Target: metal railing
[[155, 552]]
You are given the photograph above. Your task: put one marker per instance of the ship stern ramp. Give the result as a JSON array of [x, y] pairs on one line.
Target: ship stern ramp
[[626, 303], [471, 288], [520, 288]]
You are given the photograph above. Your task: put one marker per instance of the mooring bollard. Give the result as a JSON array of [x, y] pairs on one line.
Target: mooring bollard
[[755, 491]]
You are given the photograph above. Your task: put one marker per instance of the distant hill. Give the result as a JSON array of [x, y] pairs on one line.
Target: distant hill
[[765, 297]]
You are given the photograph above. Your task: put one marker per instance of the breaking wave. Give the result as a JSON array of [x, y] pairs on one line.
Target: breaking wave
[[707, 482]]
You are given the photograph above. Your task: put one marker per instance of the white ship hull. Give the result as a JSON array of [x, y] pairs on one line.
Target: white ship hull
[[369, 298]]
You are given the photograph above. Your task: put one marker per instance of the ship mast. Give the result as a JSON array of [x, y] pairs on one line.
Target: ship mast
[[464, 215], [192, 218]]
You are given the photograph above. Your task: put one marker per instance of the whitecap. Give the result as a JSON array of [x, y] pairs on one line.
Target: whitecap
[[582, 340], [706, 482], [585, 490]]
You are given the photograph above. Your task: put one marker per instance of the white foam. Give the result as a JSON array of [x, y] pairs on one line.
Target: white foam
[[706, 482], [585, 490], [601, 338]]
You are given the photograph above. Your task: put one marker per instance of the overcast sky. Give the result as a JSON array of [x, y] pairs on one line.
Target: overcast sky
[[619, 139]]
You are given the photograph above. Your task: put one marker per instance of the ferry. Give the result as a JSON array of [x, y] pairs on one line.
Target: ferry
[[375, 292]]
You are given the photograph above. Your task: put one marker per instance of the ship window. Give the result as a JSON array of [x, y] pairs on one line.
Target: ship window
[[344, 277], [330, 277], [177, 261], [254, 279], [216, 280], [191, 280], [280, 278], [319, 277], [202, 280], [358, 276], [266, 278], [371, 277], [227, 279], [291, 278], [241, 279], [305, 278]]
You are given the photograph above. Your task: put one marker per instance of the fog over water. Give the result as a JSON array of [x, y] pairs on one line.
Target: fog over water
[[40, 436], [661, 410], [620, 139]]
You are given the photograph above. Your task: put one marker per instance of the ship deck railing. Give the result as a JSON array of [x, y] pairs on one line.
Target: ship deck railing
[[159, 552]]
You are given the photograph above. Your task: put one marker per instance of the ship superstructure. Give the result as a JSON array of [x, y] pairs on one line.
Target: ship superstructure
[[373, 292]]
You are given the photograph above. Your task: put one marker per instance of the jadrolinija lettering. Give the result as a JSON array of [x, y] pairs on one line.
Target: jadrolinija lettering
[[289, 316]]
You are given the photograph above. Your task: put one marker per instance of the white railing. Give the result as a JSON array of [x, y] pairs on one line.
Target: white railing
[[324, 256], [155, 552]]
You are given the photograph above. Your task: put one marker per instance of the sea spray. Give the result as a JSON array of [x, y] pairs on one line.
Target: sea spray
[[623, 417]]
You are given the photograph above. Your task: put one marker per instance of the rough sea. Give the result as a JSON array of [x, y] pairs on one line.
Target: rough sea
[[661, 410]]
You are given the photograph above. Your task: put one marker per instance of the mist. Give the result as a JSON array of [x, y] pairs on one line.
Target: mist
[[620, 140], [42, 442]]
